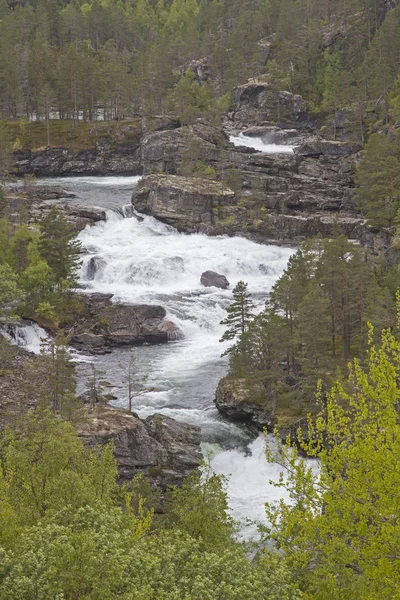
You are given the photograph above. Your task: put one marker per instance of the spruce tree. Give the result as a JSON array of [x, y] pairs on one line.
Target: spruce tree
[[239, 314], [59, 249]]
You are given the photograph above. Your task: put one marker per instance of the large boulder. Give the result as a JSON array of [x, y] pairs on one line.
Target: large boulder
[[104, 325], [213, 279], [187, 203], [164, 450]]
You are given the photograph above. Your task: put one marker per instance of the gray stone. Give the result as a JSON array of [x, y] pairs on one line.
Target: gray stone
[[213, 279], [164, 450], [104, 325]]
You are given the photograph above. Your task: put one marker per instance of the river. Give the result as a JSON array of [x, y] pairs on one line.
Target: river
[[144, 261]]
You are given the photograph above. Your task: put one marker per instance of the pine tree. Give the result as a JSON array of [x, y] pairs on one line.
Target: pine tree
[[239, 314], [59, 249]]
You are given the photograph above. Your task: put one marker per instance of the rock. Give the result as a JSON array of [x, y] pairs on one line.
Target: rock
[[95, 264], [324, 148], [104, 325], [236, 402], [212, 279], [187, 203], [164, 450], [103, 159], [200, 68], [46, 192], [258, 103], [161, 151]]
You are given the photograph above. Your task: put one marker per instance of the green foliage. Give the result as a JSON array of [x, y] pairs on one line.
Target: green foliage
[[189, 99], [239, 313], [65, 534], [60, 250], [9, 291], [378, 179], [314, 322], [340, 531], [46, 468], [199, 508]]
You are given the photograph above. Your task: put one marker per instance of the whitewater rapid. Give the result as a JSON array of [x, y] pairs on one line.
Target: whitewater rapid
[[259, 144], [141, 260]]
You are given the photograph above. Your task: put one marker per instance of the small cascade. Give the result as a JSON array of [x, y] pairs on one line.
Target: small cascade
[[259, 144], [27, 335]]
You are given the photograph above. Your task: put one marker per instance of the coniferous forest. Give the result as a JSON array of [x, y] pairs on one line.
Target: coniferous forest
[[97, 502]]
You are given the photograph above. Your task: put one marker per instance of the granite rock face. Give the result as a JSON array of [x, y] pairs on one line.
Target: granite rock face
[[104, 325], [234, 401], [257, 103], [164, 450], [187, 203]]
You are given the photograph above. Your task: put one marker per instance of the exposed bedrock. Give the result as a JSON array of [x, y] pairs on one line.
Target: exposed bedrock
[[187, 203], [164, 450], [104, 325], [283, 197], [103, 159]]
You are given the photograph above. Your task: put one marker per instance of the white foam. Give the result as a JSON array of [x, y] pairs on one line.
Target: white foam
[[259, 144], [250, 484], [31, 337]]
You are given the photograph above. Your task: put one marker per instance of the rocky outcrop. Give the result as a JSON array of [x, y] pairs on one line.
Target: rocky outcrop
[[104, 325], [163, 151], [35, 202], [103, 159], [78, 216], [164, 450], [187, 203], [235, 401], [258, 103], [213, 279], [284, 197], [245, 402]]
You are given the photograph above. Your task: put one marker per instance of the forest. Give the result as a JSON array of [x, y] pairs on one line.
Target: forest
[[116, 59], [324, 349]]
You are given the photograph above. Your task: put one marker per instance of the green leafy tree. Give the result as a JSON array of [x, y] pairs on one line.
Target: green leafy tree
[[6, 156], [239, 313], [47, 468], [189, 99], [340, 532], [199, 507], [9, 290]]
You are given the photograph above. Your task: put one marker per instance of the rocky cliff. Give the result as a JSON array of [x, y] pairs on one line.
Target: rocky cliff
[[104, 158], [278, 197], [164, 450], [187, 203]]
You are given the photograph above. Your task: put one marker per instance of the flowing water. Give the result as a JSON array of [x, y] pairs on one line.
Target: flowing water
[[259, 144], [141, 260]]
